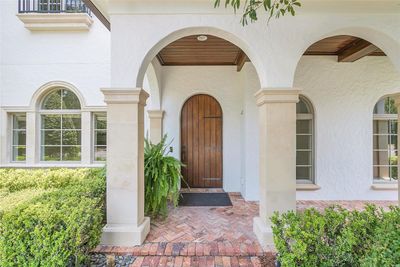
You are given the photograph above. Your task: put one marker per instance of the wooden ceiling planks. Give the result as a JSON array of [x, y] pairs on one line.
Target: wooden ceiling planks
[[189, 51]]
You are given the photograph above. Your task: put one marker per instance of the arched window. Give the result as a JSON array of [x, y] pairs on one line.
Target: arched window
[[385, 140], [60, 129], [304, 141]]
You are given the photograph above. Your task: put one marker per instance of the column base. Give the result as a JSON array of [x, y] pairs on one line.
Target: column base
[[125, 234], [263, 233]]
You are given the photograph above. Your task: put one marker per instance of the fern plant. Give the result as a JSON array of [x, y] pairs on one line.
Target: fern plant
[[162, 178]]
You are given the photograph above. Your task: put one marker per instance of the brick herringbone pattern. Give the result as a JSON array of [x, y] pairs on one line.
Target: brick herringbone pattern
[[207, 224], [211, 236]]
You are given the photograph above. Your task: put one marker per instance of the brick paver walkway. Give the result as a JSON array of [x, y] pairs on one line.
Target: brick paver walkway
[[210, 236]]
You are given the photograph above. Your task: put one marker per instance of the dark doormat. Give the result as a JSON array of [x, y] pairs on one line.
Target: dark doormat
[[204, 199]]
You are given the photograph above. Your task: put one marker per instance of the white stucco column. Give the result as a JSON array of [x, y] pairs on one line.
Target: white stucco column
[[397, 102], [156, 125], [277, 155], [126, 224]]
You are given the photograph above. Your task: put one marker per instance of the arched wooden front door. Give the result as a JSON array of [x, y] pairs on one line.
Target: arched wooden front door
[[201, 142]]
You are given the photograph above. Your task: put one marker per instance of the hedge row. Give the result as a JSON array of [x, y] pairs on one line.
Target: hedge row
[[55, 221], [338, 237]]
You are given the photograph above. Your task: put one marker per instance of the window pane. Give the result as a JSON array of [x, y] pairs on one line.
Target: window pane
[[381, 142], [393, 127], [381, 173], [381, 158], [51, 121], [100, 153], [393, 142], [303, 173], [19, 153], [71, 153], [19, 138], [101, 138], [303, 142], [19, 121], [71, 121], [302, 107], [304, 127], [303, 158], [51, 153], [71, 137], [381, 127], [53, 100], [70, 100], [100, 121], [390, 107], [393, 172], [51, 137]]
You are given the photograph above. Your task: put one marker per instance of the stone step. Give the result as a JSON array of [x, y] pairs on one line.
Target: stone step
[[225, 248], [177, 261]]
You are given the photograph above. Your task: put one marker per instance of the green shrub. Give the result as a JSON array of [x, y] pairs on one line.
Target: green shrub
[[162, 178], [53, 227], [336, 237]]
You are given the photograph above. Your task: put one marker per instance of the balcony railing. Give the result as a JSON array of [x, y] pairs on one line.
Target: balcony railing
[[52, 6]]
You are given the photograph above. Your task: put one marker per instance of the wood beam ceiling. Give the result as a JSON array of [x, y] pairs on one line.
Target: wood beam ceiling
[[356, 50]]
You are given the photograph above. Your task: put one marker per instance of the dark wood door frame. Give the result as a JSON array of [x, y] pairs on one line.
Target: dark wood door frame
[[201, 141]]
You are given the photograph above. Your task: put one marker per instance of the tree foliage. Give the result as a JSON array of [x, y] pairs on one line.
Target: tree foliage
[[273, 8]]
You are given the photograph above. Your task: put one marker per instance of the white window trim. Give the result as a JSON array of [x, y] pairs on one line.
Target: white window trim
[[93, 131], [378, 184], [11, 133], [306, 184]]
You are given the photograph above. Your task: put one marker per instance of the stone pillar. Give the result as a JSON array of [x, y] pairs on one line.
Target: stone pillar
[[126, 224], [397, 102], [277, 142], [156, 125]]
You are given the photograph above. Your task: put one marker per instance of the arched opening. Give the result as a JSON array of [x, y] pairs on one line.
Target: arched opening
[[344, 75], [207, 62], [201, 142]]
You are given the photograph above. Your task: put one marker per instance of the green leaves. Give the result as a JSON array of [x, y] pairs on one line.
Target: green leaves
[[162, 178], [272, 8], [338, 237], [56, 219]]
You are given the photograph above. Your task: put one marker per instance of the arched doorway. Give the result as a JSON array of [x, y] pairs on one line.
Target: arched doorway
[[201, 142]]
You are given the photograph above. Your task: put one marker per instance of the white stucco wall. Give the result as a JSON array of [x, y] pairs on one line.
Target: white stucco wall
[[343, 95], [223, 83], [31, 59]]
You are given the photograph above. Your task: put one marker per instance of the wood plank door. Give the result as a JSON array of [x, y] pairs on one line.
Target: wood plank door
[[201, 142]]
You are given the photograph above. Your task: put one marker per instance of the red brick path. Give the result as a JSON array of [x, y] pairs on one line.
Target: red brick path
[[210, 236]]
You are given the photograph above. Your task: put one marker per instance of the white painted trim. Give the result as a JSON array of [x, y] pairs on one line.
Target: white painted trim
[[307, 187], [56, 22], [385, 186]]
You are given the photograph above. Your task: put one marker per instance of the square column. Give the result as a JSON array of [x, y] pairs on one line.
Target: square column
[[277, 131], [126, 224], [156, 125]]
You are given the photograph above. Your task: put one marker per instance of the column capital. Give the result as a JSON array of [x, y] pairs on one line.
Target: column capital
[[156, 114], [277, 95], [125, 95]]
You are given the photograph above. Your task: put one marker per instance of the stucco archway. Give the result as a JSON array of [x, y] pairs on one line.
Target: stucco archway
[[180, 33], [385, 42]]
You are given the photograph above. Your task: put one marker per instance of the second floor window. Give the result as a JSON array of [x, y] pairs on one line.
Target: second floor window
[[49, 5]]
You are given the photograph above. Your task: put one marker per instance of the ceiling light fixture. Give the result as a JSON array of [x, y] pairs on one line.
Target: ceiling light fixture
[[202, 38]]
